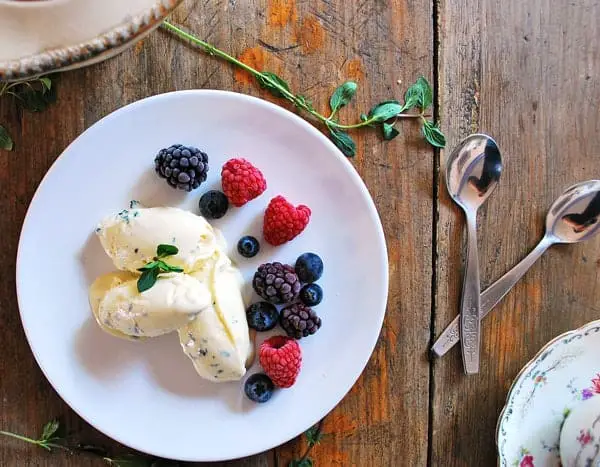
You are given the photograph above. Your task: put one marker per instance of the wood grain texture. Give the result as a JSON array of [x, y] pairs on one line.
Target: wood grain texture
[[528, 73], [315, 45]]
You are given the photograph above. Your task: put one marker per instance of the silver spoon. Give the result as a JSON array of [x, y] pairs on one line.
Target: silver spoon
[[472, 172], [573, 217]]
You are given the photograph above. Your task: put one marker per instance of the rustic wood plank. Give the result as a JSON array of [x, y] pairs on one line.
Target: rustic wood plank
[[527, 73], [315, 45]]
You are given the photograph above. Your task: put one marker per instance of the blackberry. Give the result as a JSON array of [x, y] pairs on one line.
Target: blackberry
[[213, 204], [183, 167], [311, 294], [309, 267], [276, 282], [248, 246], [299, 320]]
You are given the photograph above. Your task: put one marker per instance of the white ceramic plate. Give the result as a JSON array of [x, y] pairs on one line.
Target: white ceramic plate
[[147, 395], [565, 372]]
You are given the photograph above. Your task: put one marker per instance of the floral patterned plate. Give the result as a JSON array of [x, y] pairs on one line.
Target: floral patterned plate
[[564, 373]]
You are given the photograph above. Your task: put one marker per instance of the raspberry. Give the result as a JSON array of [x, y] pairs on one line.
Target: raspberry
[[281, 358], [283, 221], [241, 181]]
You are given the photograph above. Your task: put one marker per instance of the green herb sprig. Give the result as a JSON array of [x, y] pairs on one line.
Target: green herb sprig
[[417, 99], [157, 266], [313, 437], [31, 95], [50, 440]]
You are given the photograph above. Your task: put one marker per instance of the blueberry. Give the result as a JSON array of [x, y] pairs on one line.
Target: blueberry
[[311, 294], [248, 246], [309, 267], [213, 204], [262, 316], [259, 387]]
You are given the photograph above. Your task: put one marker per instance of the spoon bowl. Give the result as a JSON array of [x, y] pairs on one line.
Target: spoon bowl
[[473, 170], [575, 215]]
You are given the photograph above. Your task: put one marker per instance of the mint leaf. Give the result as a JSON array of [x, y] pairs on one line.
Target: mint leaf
[[433, 134], [272, 83], [34, 98], [164, 267], [148, 266], [49, 430], [342, 95], [418, 95], [313, 435], [343, 141], [46, 83], [389, 131], [6, 141], [147, 279], [303, 101], [385, 110], [166, 250], [307, 462], [427, 93]]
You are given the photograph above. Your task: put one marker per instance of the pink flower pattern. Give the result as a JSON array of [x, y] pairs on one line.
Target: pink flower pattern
[[585, 437], [596, 384], [527, 461]]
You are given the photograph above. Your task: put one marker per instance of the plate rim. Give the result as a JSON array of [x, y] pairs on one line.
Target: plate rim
[[527, 367], [99, 48], [334, 152]]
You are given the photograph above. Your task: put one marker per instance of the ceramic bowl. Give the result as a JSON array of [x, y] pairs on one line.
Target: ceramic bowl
[[44, 36]]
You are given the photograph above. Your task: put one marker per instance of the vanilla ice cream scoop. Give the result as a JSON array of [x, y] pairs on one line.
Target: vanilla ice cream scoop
[[217, 340], [131, 237], [172, 302]]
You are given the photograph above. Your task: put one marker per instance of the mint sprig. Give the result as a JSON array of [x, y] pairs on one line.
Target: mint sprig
[[50, 440], [151, 271], [31, 95], [419, 97]]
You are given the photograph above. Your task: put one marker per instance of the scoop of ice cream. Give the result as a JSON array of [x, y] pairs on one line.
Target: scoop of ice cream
[[217, 341], [172, 302], [97, 292], [131, 237]]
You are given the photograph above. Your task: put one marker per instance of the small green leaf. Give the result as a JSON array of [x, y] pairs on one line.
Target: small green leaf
[[343, 141], [342, 95], [427, 92], [147, 279], [166, 250], [301, 463], [34, 99], [418, 95], [46, 83], [129, 461], [389, 131], [148, 266], [272, 83], [385, 110], [304, 101], [313, 435], [433, 134], [363, 117], [6, 141], [49, 430], [164, 267]]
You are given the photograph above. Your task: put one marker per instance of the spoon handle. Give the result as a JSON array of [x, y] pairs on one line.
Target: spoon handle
[[491, 297], [470, 325]]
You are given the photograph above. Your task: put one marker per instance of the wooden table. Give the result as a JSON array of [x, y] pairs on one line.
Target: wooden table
[[527, 73]]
